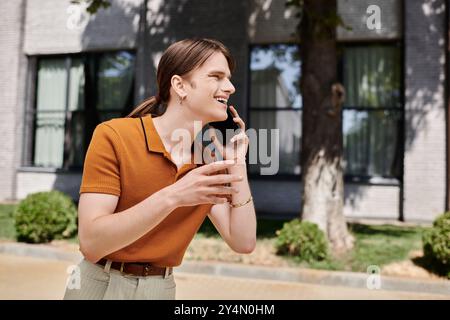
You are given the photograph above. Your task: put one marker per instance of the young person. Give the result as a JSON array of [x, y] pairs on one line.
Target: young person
[[143, 198]]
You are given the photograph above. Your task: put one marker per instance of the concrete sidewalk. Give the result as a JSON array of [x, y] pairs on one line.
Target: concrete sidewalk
[[40, 272]]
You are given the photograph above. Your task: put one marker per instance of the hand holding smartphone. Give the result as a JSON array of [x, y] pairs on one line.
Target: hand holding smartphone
[[222, 126]]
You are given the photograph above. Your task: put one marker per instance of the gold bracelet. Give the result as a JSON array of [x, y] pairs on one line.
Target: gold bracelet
[[241, 204]]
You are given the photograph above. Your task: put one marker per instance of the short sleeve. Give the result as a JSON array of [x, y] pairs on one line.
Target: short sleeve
[[101, 171]]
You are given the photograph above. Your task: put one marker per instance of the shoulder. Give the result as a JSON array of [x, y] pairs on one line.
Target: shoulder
[[116, 133], [120, 124], [120, 127]]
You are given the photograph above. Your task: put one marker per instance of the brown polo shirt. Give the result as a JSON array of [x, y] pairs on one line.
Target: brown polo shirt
[[127, 158]]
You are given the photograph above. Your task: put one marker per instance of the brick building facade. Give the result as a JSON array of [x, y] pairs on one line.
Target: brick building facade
[[395, 125]]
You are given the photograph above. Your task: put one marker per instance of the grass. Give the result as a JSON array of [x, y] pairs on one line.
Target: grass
[[7, 229], [375, 245], [381, 245], [265, 228]]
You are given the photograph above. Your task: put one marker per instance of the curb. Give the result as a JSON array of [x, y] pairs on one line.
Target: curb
[[39, 251], [310, 276], [318, 277]]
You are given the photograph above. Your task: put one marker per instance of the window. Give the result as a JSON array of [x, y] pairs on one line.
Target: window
[[275, 101], [73, 94], [373, 110]]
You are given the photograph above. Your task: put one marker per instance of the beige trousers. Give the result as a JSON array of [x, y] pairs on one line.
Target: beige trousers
[[90, 281]]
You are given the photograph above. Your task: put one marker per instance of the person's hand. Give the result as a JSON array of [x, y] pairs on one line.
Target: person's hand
[[237, 148], [202, 185]]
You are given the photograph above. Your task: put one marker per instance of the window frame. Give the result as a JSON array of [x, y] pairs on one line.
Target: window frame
[[369, 179], [348, 178], [30, 113], [249, 109]]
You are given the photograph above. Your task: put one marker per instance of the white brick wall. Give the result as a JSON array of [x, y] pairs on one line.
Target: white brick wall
[[361, 201], [424, 179], [369, 201], [10, 107], [354, 14], [270, 21], [30, 182], [47, 28]]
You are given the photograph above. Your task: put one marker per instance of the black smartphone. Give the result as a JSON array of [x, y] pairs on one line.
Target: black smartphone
[[222, 126]]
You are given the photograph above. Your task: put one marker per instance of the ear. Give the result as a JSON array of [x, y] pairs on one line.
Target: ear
[[178, 85]]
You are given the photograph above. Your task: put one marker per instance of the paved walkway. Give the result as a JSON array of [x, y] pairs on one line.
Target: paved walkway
[[36, 278]]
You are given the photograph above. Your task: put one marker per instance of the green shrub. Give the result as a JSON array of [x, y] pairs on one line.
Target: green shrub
[[436, 244], [303, 240], [44, 216]]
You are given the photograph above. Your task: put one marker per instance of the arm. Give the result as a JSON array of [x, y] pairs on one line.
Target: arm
[[237, 226], [101, 232]]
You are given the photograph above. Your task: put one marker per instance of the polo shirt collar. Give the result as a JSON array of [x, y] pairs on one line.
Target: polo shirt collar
[[155, 144]]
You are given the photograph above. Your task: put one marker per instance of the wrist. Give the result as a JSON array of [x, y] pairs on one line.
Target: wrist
[[169, 198], [239, 168]]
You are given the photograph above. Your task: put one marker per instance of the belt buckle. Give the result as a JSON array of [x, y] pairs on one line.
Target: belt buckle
[[166, 273]]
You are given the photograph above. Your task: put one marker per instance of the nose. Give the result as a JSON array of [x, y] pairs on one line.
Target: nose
[[229, 88]]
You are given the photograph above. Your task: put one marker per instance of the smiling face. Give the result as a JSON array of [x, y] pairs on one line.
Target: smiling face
[[205, 86]]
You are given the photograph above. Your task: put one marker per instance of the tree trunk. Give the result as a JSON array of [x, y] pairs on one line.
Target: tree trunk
[[143, 83], [321, 154]]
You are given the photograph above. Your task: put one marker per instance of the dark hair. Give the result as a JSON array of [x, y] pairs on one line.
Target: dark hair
[[179, 58]]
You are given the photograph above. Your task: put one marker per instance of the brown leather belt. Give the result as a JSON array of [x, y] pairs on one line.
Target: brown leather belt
[[141, 269]]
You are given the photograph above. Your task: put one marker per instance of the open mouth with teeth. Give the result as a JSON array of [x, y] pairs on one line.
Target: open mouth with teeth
[[222, 100]]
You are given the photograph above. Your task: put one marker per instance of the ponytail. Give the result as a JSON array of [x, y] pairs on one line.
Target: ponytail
[[151, 106]]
